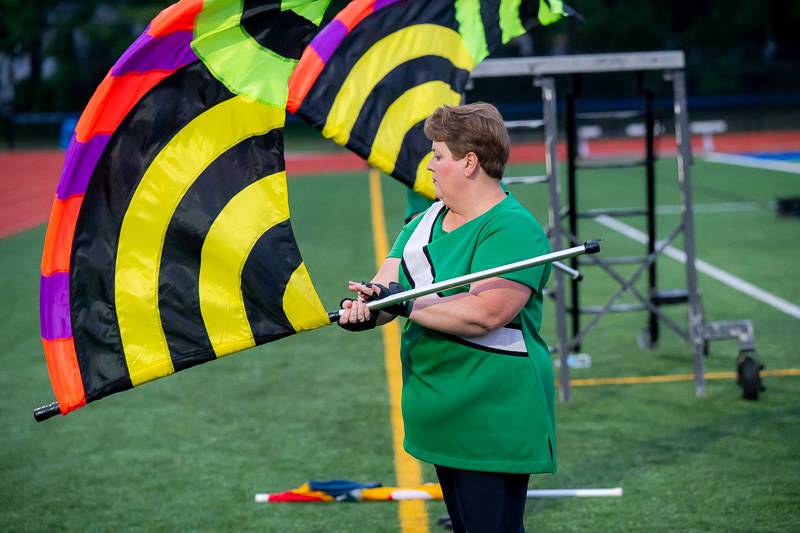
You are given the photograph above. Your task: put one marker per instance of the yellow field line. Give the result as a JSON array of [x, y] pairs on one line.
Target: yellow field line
[[413, 517], [633, 380]]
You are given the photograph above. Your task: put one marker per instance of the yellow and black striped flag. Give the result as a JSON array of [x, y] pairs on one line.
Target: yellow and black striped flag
[[371, 77]]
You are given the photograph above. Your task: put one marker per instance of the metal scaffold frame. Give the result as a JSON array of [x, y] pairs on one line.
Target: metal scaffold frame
[[698, 332]]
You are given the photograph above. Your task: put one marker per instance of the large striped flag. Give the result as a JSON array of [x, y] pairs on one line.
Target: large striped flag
[[373, 74], [169, 242]]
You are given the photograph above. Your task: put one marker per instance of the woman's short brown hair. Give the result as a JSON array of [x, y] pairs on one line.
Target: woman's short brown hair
[[476, 128]]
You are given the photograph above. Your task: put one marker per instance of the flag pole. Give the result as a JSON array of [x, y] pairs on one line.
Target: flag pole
[[591, 247]]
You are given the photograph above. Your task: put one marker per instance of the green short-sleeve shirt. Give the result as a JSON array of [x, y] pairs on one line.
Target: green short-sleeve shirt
[[478, 403]]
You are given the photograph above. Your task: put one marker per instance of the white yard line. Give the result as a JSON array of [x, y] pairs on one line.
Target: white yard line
[[710, 270], [755, 162], [723, 207]]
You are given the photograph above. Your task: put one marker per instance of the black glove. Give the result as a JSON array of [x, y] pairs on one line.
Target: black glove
[[359, 326], [399, 309]]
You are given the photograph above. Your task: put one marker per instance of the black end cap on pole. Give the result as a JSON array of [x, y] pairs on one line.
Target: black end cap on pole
[[46, 411], [592, 247]]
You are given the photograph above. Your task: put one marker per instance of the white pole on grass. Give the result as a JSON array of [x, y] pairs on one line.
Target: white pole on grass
[[580, 493]]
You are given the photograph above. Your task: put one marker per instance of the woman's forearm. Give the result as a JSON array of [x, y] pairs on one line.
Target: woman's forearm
[[489, 305], [457, 315]]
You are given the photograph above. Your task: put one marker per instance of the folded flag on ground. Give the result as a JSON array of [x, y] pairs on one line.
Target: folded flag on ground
[[343, 490]]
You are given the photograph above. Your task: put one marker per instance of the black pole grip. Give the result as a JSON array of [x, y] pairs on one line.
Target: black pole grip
[[46, 411], [333, 316], [592, 247]]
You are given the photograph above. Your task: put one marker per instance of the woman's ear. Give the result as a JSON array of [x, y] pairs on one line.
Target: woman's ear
[[471, 163]]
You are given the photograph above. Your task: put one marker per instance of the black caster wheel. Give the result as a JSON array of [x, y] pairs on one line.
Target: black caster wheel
[[748, 376]]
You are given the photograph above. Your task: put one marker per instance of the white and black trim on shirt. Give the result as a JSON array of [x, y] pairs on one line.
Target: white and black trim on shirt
[[419, 271]]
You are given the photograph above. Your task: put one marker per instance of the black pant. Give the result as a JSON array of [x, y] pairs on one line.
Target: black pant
[[484, 502]]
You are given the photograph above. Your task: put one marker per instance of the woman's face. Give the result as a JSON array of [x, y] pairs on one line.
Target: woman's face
[[447, 172]]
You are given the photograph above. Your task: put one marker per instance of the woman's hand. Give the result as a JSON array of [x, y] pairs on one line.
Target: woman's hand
[[355, 316], [365, 291]]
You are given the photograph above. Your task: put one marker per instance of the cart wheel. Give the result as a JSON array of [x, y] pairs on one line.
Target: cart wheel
[[748, 376]]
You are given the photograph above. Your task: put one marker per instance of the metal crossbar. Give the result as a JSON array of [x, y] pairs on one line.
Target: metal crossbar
[[527, 124], [609, 115], [578, 64], [528, 180], [626, 285]]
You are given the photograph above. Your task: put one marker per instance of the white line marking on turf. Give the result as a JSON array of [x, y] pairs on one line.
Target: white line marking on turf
[[722, 207], [706, 268], [755, 162]]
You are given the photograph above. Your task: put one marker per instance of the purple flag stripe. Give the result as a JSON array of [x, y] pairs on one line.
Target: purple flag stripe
[[79, 165], [168, 52], [54, 306], [328, 39], [380, 4]]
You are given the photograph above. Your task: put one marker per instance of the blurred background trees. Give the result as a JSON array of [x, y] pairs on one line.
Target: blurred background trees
[[731, 45], [58, 51], [54, 53]]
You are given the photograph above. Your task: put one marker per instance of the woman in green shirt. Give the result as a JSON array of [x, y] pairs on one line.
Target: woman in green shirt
[[478, 387]]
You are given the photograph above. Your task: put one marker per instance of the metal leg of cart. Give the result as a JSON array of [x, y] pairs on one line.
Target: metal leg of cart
[[551, 169]]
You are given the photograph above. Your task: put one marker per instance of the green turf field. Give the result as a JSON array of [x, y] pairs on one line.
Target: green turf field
[[188, 453]]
